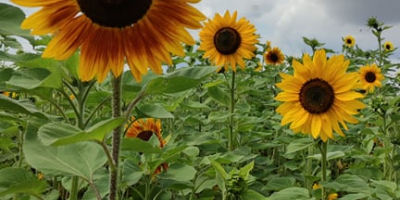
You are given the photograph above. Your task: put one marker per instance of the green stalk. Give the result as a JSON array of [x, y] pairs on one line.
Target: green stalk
[[116, 137], [308, 170], [232, 135], [323, 148], [74, 188]]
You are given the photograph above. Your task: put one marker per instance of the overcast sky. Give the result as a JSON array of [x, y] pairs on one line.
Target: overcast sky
[[285, 22]]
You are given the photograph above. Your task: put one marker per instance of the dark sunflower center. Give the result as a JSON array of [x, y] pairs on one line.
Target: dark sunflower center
[[316, 96], [273, 57], [227, 40], [370, 77], [348, 41], [145, 135], [387, 47], [114, 13]]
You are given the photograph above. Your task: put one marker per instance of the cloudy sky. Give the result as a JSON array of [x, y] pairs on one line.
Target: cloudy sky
[[285, 22]]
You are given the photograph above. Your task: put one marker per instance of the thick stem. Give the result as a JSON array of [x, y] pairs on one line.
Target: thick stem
[[232, 135], [323, 148], [116, 139], [74, 188], [308, 169]]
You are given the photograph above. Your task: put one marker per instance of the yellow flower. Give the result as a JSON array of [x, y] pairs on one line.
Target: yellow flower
[[388, 46], [7, 94], [333, 196], [71, 96], [143, 33], [259, 67], [349, 41], [319, 96], [316, 186], [370, 76], [268, 45], [274, 56], [144, 129], [227, 41]]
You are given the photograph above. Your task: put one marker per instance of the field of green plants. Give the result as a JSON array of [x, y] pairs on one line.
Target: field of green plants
[[198, 131]]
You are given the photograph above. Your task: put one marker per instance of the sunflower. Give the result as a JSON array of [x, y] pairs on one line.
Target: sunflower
[[144, 129], [143, 33], [370, 76], [388, 46], [227, 41], [319, 96], [274, 56], [349, 41]]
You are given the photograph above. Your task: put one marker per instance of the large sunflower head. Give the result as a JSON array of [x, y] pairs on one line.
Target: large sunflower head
[[142, 33], [370, 77], [388, 46], [349, 41], [274, 56], [227, 41], [319, 96]]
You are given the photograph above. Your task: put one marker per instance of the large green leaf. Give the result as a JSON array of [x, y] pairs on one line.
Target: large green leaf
[[219, 95], [11, 18], [300, 144], [178, 81], [136, 144], [280, 183], [81, 159], [62, 134], [23, 107], [297, 193], [155, 111], [4, 56], [179, 172], [31, 78], [253, 195], [19, 180]]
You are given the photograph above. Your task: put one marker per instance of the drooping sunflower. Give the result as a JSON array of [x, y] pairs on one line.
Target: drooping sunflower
[[319, 96], [227, 41], [109, 32], [388, 46], [144, 129], [349, 41], [370, 76], [274, 56]]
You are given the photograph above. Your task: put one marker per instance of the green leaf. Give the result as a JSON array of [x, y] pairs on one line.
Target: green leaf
[[297, 193], [138, 145], [245, 171], [300, 144], [23, 107], [179, 172], [31, 78], [219, 169], [280, 183], [253, 195], [131, 172], [155, 111], [219, 95], [349, 183], [19, 180], [11, 18], [178, 81], [329, 155], [58, 133], [354, 196], [81, 159], [18, 57]]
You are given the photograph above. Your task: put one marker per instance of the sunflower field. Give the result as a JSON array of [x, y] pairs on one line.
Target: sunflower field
[[96, 106]]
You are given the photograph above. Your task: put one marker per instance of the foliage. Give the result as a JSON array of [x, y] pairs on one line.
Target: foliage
[[224, 138]]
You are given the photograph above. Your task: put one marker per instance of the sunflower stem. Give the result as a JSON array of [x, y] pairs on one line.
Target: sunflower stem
[[116, 137], [232, 135], [74, 188], [323, 148]]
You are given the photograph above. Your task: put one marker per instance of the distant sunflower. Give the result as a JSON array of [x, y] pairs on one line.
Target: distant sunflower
[[144, 129], [388, 46], [227, 41], [349, 41], [319, 96], [110, 31], [274, 56], [370, 76]]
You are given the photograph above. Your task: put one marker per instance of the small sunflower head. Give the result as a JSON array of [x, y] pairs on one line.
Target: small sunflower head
[[349, 41], [227, 41], [274, 56], [370, 77], [388, 46], [144, 129], [374, 23]]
